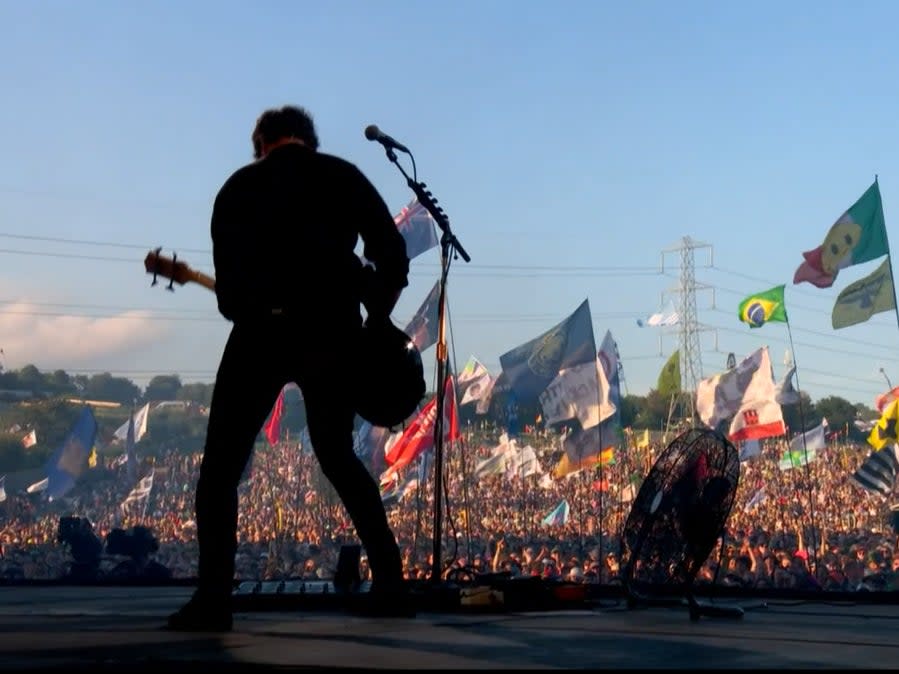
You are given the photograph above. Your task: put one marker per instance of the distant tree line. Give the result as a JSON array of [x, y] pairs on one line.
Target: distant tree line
[[30, 399]]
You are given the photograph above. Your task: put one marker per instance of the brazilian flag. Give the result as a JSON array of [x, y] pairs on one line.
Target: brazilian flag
[[760, 308]]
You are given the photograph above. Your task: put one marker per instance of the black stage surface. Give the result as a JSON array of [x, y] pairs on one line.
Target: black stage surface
[[118, 628]]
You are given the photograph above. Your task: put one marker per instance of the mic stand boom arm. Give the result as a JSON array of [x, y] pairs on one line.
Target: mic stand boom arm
[[448, 241]]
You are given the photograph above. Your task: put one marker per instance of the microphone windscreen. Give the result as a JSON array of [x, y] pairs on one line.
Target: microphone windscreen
[[372, 132]]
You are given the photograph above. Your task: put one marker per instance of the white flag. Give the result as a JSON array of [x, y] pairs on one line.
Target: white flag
[[522, 462], [2, 489], [580, 392], [497, 462], [141, 491], [814, 439], [721, 396], [668, 316], [140, 425], [785, 393], [760, 415], [41, 485], [477, 389]]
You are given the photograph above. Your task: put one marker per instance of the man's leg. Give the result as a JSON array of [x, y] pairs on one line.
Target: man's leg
[[243, 396], [330, 418]]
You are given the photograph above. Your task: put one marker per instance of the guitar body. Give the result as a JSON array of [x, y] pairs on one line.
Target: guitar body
[[392, 383]]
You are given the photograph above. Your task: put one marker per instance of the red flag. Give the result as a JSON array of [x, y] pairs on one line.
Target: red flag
[[272, 427], [419, 436]]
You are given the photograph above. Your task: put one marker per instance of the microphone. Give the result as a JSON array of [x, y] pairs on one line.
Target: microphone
[[372, 132]]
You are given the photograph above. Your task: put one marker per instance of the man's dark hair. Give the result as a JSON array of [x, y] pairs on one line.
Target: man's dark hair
[[287, 122]]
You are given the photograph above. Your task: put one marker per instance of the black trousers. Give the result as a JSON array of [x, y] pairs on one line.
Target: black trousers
[[258, 360]]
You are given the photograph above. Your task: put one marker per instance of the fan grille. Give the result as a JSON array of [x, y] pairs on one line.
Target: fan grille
[[680, 510]]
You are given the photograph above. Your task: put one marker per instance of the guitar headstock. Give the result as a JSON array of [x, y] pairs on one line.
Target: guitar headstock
[[167, 267], [176, 272]]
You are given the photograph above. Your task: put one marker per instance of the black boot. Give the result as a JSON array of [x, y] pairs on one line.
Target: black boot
[[385, 600], [204, 612]]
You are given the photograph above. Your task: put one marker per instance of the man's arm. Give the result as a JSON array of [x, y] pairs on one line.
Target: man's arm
[[385, 247]]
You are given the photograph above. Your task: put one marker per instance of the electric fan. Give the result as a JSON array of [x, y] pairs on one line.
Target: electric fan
[[678, 515]]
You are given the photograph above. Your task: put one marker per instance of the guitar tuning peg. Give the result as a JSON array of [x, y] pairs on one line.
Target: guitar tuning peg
[[171, 286], [156, 266]]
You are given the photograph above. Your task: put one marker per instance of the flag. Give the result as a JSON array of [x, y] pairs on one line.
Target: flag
[[812, 440], [643, 442], [30, 439], [140, 492], [608, 356], [478, 389], [795, 458], [140, 418], [417, 226], [530, 367], [759, 415], [92, 458], [580, 392], [668, 316], [587, 449], [870, 295], [2, 489], [669, 382], [784, 392], [423, 327], [419, 435], [558, 515], [877, 473], [272, 427], [69, 461], [522, 462], [473, 370], [859, 235], [757, 420], [749, 449], [757, 499], [721, 396], [885, 431], [40, 485], [130, 453], [884, 399], [758, 309]]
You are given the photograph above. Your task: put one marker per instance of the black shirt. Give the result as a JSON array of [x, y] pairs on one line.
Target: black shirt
[[284, 234]]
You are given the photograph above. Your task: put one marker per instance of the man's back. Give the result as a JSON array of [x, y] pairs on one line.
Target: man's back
[[284, 233]]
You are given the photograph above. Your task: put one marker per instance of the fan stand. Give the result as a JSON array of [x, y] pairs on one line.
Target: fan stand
[[696, 608], [709, 610]]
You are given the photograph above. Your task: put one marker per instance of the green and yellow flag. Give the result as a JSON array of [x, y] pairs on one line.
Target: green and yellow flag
[[758, 309], [669, 378], [864, 298]]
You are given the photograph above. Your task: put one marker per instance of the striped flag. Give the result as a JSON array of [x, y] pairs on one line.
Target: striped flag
[[878, 472], [558, 515]]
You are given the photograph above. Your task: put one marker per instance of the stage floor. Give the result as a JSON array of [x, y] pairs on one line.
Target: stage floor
[[118, 629]]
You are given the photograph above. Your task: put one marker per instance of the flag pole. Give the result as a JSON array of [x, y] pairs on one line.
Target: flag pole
[[808, 477], [886, 239]]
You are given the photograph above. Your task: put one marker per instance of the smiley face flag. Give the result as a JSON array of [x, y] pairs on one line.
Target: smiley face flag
[[760, 308], [859, 235]]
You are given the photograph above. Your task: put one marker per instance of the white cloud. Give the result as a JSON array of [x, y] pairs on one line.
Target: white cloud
[[32, 334]]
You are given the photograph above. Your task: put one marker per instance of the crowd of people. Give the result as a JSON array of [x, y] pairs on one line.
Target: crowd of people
[[809, 527]]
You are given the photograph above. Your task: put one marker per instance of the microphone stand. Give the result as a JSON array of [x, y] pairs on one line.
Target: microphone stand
[[448, 242]]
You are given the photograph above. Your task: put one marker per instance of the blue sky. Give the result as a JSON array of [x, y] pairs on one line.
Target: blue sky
[[570, 143]]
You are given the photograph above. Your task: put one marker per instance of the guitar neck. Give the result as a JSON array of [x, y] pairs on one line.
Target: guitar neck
[[202, 279]]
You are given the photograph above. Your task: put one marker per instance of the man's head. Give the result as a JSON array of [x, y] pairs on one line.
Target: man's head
[[277, 125]]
